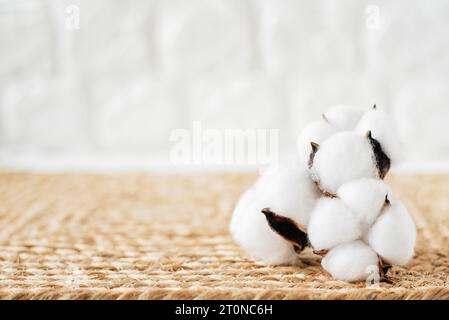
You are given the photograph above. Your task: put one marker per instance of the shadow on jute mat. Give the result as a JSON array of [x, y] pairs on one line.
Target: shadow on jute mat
[[73, 236]]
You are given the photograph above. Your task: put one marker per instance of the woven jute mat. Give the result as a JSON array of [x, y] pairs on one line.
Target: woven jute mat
[[143, 236]]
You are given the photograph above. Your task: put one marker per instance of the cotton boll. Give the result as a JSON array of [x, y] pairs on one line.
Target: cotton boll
[[343, 157], [383, 129], [317, 132], [290, 192], [393, 235], [366, 198], [250, 230], [331, 224], [350, 261], [344, 117], [242, 207]]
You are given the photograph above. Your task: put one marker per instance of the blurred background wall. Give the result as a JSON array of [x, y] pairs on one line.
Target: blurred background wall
[[101, 84]]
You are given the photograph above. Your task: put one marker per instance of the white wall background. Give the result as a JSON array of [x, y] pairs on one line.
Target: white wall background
[[107, 95]]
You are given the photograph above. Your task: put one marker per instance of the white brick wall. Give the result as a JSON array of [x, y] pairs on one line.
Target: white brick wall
[[113, 90]]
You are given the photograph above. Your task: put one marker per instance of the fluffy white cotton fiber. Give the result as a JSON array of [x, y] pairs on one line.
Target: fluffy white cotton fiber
[[383, 129], [365, 198], [364, 211], [344, 117], [251, 231], [331, 224], [393, 235], [317, 132], [287, 191], [337, 118], [350, 261], [343, 157]]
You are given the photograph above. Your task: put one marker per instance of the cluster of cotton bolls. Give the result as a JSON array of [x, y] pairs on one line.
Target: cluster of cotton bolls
[[333, 199]]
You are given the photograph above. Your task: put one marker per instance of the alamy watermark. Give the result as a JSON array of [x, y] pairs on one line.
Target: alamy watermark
[[372, 17], [72, 20], [211, 146], [373, 279]]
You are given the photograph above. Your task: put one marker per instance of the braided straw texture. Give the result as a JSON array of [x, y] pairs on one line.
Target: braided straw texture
[[73, 236]]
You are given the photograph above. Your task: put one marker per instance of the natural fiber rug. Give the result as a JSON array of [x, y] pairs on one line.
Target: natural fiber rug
[[166, 237]]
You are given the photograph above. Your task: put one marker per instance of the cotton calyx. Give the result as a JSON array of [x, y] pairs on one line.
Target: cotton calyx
[[350, 261], [383, 162], [383, 129], [287, 196], [288, 229], [343, 157], [344, 117], [331, 224], [393, 235], [365, 198]]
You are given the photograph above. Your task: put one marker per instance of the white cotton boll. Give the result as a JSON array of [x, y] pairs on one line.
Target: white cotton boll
[[288, 192], [242, 206], [365, 197], [251, 231], [331, 224], [344, 117], [393, 235], [343, 157], [383, 129], [350, 261], [317, 132]]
